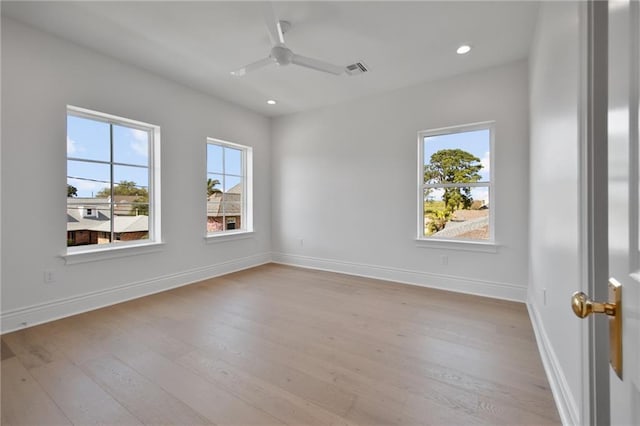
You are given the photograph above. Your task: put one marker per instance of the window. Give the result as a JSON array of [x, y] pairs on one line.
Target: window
[[228, 188], [112, 181], [455, 185]]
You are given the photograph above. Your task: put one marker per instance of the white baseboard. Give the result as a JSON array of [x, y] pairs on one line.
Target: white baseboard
[[44, 312], [566, 403], [492, 289]]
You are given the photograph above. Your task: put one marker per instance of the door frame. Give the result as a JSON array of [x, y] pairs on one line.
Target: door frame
[[593, 80]]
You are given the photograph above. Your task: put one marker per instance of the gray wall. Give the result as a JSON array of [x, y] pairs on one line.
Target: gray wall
[[40, 76], [555, 251], [344, 184]]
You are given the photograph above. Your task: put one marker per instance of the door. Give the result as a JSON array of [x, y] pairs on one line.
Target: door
[[611, 209], [622, 170]]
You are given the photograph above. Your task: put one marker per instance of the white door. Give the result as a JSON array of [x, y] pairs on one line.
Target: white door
[[624, 233]]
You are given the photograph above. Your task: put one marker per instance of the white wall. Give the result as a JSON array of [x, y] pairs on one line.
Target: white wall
[[344, 182], [555, 186], [40, 76]]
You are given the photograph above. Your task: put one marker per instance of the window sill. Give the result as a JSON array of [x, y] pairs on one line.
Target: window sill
[[483, 247], [228, 236], [113, 252]]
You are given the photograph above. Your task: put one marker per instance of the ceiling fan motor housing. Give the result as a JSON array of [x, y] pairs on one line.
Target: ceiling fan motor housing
[[282, 55]]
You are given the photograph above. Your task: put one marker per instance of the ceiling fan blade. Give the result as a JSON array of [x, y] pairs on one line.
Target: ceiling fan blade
[[273, 24], [317, 64], [253, 66]]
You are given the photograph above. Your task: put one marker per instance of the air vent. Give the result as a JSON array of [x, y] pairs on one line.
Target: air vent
[[357, 68]]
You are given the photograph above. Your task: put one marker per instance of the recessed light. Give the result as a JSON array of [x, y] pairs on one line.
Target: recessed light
[[271, 102], [465, 48]]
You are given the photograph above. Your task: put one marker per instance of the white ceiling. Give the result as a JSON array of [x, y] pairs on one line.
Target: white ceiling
[[199, 43]]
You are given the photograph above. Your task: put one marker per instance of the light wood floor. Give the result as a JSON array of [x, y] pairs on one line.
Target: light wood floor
[[281, 345]]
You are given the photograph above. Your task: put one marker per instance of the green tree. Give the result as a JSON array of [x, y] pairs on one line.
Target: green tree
[[72, 191], [141, 208], [211, 187], [124, 187], [454, 166], [127, 187], [437, 220]]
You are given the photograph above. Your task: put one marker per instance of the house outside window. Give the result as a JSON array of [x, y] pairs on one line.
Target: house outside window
[[229, 195], [113, 194], [455, 196]]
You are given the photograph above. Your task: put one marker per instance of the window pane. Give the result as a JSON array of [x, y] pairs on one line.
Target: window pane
[[86, 219], [214, 184], [458, 157], [214, 158], [130, 191], [456, 213], [215, 213], [88, 208], [232, 183], [131, 227], [232, 161], [131, 180], [88, 139], [130, 203], [130, 146], [233, 209], [214, 223], [86, 179]]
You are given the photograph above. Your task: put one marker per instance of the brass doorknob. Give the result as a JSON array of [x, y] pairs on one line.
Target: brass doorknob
[[583, 306]]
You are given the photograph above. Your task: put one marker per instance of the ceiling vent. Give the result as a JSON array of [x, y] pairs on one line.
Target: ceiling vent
[[357, 68]]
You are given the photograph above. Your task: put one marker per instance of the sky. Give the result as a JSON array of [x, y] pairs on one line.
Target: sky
[[477, 142], [90, 140]]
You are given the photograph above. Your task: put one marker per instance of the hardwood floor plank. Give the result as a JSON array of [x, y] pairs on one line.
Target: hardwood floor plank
[[78, 396], [198, 393], [106, 332], [279, 374], [5, 351], [145, 400], [31, 349], [275, 372], [286, 406], [81, 399], [23, 400]]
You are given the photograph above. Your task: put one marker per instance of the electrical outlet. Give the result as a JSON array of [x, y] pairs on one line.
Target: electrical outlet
[[49, 276], [444, 260], [544, 296], [301, 241]]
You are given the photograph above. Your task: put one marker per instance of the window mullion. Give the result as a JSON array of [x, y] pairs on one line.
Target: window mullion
[[223, 198], [151, 184], [111, 209], [457, 185], [243, 199]]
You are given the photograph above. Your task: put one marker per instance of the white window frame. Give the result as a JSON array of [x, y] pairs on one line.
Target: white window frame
[[247, 193], [94, 251], [460, 242]]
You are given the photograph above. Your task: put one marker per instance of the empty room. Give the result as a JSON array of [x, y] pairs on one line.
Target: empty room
[[320, 212]]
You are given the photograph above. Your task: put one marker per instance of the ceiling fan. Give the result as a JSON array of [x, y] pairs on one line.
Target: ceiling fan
[[281, 55]]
